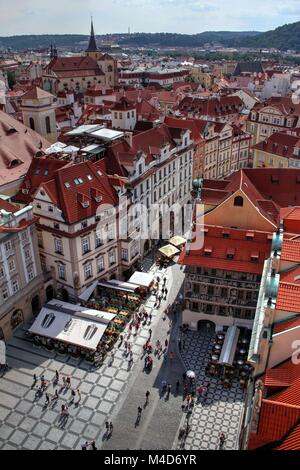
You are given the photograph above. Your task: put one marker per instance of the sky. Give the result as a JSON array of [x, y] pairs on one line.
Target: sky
[[115, 16]]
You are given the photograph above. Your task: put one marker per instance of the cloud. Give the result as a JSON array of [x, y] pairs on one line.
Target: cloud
[[183, 16]]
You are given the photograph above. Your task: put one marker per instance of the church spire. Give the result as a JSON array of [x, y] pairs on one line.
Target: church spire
[[92, 47]]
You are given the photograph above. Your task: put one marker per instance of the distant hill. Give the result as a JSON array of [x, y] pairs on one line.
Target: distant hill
[[285, 37]]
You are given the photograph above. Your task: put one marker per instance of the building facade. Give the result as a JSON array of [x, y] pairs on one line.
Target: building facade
[[21, 279]]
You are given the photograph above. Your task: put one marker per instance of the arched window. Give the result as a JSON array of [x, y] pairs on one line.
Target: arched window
[[238, 201], [16, 318], [48, 126], [31, 123]]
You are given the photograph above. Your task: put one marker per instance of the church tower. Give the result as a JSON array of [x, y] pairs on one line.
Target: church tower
[[38, 110], [92, 50]]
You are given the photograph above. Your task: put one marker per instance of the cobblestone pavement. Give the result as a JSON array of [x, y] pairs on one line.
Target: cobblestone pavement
[[161, 418], [26, 424], [221, 410]]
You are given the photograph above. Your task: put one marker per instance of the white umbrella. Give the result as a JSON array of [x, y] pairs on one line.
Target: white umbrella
[[190, 374]]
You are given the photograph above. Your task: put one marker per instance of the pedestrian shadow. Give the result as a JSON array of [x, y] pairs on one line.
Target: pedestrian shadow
[[106, 436], [137, 422]]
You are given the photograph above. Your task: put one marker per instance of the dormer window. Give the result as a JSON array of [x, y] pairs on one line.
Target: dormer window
[[208, 251], [238, 201], [25, 191], [85, 204], [98, 198], [67, 185], [230, 253], [254, 256]]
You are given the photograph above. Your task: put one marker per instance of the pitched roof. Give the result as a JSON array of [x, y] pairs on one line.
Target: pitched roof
[[73, 64], [18, 145], [290, 250], [280, 144], [36, 93], [92, 47], [216, 107], [41, 170], [248, 254], [270, 189], [280, 411], [123, 105], [248, 67], [121, 154], [75, 185]]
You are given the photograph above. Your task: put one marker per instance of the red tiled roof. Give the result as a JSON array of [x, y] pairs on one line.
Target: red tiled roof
[[288, 297], [280, 144], [290, 250], [18, 145], [66, 198], [148, 142], [123, 105], [221, 106], [185, 124], [36, 93], [8, 206], [287, 325], [221, 247], [292, 441], [280, 412], [41, 170], [270, 189]]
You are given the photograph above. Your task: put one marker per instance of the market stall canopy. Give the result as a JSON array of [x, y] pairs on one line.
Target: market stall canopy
[[119, 285], [229, 346], [177, 241], [169, 251], [88, 292], [141, 279], [72, 324]]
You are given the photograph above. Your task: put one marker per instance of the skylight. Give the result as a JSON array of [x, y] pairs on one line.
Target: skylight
[[67, 185]]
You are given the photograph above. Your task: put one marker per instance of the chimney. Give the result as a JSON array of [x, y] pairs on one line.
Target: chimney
[[128, 137]]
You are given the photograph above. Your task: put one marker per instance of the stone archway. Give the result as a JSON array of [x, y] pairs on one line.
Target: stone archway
[[16, 319], [65, 295], [206, 325]]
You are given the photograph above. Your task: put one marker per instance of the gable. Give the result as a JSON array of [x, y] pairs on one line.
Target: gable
[[247, 217]]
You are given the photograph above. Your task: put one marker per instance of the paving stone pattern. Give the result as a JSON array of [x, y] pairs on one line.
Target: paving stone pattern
[[222, 409]]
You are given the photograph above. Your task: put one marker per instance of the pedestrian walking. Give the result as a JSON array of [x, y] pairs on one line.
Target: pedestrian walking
[[64, 381], [150, 318], [85, 445], [130, 362], [139, 411], [179, 345], [166, 293], [55, 397], [107, 427], [47, 399], [68, 382], [34, 381], [93, 445], [79, 395], [166, 343], [111, 428], [73, 394], [164, 281], [150, 333], [56, 376], [177, 385], [121, 340], [168, 390], [147, 396]]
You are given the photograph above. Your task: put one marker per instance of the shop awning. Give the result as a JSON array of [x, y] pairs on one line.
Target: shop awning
[[169, 251], [71, 324], [119, 285], [177, 241], [88, 292], [229, 346], [141, 279]]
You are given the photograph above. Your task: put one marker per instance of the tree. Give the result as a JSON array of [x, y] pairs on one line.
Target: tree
[[11, 79]]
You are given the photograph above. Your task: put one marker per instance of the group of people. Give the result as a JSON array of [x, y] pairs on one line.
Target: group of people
[[50, 399], [160, 295]]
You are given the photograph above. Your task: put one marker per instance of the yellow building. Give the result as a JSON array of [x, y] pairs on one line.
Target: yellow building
[[281, 150]]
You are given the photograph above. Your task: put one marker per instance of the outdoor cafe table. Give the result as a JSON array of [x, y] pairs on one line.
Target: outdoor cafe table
[[240, 362], [214, 357], [220, 337], [217, 347], [242, 351]]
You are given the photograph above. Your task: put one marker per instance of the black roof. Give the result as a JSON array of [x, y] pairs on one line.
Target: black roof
[[92, 47], [248, 67]]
